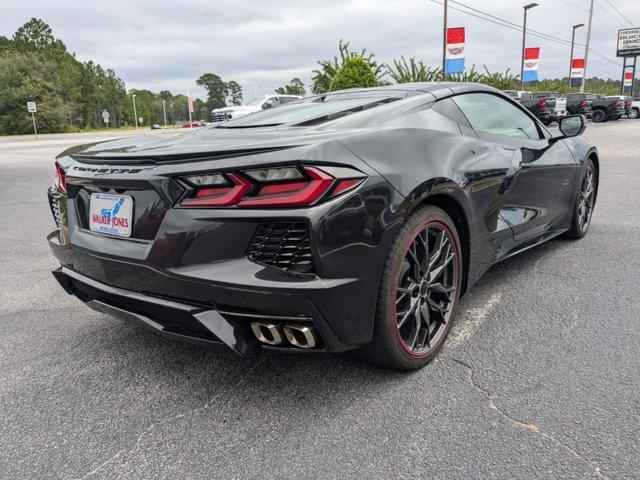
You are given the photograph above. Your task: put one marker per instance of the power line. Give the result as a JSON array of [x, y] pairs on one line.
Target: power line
[[514, 26], [616, 20], [620, 13], [574, 5], [606, 25]]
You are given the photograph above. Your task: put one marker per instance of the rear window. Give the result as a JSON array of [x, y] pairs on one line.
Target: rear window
[[310, 111]]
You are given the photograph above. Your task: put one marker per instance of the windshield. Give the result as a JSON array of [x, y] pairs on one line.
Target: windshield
[[307, 112]]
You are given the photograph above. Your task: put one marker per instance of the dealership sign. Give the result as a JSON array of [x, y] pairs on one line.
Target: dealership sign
[[577, 72], [454, 60], [531, 58], [628, 42]]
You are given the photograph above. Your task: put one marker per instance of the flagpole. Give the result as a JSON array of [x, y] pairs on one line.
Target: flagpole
[[444, 42]]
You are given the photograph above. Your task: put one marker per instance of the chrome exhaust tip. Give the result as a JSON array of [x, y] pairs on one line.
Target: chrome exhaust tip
[[267, 333], [300, 336]]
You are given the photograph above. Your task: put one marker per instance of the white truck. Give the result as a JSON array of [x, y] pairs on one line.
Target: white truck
[[255, 105]]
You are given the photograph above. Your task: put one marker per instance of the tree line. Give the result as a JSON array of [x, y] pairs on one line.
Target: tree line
[[72, 95]]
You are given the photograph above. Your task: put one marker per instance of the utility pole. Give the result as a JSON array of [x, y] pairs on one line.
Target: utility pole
[[524, 42], [135, 112], [164, 111], [444, 41], [573, 39], [586, 48]]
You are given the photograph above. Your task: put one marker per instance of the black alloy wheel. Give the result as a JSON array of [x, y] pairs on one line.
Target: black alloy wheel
[[584, 203], [585, 198], [634, 113], [419, 292], [424, 294]]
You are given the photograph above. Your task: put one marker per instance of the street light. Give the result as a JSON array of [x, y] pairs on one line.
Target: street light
[[573, 38], [524, 39], [135, 112], [164, 111]]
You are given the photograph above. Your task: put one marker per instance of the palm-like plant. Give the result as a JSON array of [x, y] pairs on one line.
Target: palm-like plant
[[321, 79]]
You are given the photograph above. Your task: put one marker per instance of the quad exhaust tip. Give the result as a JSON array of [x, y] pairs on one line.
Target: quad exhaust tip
[[301, 336], [267, 333]]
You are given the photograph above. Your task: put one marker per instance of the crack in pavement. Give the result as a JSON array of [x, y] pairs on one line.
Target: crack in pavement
[[530, 427], [154, 425]]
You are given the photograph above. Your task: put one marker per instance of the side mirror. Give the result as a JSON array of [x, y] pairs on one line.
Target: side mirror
[[572, 125], [267, 104]]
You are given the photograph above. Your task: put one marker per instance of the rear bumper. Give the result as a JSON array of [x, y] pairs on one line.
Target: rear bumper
[[216, 302]]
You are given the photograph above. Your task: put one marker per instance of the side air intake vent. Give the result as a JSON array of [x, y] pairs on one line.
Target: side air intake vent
[[284, 245]]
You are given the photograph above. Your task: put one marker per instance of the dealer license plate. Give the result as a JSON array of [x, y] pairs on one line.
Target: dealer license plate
[[111, 214]]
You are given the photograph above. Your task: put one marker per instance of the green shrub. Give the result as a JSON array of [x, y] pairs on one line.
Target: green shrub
[[354, 73]]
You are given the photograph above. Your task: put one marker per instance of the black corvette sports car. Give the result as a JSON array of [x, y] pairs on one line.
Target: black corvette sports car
[[350, 220]]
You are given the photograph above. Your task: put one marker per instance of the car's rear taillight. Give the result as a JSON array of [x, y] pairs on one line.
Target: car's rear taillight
[[542, 104], [583, 104], [279, 187], [618, 104], [217, 194], [60, 178]]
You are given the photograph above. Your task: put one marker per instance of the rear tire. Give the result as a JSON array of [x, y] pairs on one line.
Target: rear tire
[[634, 113], [599, 116], [584, 203], [419, 292]]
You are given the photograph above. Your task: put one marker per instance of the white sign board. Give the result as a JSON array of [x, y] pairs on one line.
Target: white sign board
[[628, 42], [105, 116], [31, 107]]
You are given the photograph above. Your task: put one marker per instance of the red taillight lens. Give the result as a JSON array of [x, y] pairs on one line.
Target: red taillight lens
[[219, 196], [583, 104], [542, 104], [618, 104], [60, 178], [272, 187]]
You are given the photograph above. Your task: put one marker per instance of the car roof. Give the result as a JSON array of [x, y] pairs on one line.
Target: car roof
[[437, 89]]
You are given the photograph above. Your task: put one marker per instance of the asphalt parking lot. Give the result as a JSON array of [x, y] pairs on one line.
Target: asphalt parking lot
[[539, 379]]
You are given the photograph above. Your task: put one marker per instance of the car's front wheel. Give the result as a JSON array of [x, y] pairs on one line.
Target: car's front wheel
[[419, 292], [584, 203], [634, 112]]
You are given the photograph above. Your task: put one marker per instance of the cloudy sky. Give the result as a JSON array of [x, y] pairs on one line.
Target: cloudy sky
[[262, 44]]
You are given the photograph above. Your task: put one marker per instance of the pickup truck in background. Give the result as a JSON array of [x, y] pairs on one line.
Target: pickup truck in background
[[541, 104], [625, 100], [559, 103], [606, 108], [580, 104]]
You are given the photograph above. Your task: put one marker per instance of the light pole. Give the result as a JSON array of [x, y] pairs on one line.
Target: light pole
[[586, 48], [164, 111], [135, 112], [573, 38], [524, 40]]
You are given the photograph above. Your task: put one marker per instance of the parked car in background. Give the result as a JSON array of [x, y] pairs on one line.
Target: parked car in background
[[193, 124], [155, 126], [634, 111], [255, 105], [606, 108], [541, 104], [579, 104]]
